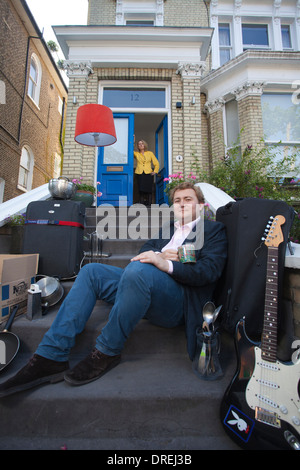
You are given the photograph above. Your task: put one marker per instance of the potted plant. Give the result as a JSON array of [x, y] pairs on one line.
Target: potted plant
[[15, 220], [85, 192]]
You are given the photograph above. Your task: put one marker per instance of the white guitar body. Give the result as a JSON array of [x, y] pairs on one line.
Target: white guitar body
[[272, 392]]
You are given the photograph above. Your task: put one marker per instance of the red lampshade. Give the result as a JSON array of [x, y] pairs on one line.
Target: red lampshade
[[95, 126]]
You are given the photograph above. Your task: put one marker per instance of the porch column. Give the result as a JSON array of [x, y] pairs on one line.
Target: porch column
[[78, 159], [248, 97], [215, 109], [191, 106]]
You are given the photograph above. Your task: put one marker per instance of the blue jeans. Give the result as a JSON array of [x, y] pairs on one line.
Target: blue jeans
[[137, 291]]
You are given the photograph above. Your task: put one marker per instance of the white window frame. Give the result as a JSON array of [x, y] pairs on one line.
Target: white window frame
[[229, 145], [2, 92], [60, 105], [34, 83], [57, 165], [137, 84], [285, 24], [25, 184], [225, 47], [256, 46], [137, 19], [2, 186], [285, 145], [273, 14], [128, 10]]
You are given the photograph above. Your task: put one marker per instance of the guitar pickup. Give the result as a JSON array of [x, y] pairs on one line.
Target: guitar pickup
[[267, 417]]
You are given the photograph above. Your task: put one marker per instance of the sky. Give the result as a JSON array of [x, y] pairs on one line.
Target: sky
[[57, 12]]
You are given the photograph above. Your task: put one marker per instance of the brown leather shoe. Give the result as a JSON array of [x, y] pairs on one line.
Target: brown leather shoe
[[91, 368], [37, 371]]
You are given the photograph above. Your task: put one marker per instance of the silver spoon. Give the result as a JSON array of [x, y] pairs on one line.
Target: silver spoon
[[216, 313], [208, 312]]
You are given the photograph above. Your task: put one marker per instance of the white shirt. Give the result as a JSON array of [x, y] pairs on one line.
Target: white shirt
[[178, 238]]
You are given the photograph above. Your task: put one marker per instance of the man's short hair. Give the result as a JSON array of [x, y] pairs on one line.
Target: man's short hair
[[188, 185]]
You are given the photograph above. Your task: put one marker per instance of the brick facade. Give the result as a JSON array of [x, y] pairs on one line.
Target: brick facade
[[102, 12], [195, 13], [216, 140], [186, 121], [22, 122], [197, 129], [250, 113], [192, 12]]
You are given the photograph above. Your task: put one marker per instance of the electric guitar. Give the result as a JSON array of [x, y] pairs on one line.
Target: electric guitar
[[260, 409]]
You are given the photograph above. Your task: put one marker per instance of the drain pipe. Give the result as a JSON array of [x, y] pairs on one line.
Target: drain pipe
[[62, 124], [25, 83]]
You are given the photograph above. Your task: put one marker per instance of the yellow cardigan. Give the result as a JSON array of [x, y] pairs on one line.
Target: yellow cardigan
[[144, 163]]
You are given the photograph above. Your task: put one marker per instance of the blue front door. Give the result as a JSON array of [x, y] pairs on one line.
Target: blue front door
[[162, 154], [115, 164]]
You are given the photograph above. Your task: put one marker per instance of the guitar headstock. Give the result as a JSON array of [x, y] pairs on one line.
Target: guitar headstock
[[273, 231]]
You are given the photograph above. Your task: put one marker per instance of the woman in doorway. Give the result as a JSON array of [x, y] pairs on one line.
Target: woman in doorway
[[144, 171]]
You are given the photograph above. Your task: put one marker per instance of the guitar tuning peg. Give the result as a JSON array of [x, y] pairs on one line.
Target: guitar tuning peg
[[263, 239], [271, 217]]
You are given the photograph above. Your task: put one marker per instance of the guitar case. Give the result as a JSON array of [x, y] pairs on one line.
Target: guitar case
[[241, 289]]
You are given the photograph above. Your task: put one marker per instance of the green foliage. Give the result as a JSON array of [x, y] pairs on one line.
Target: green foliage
[[15, 220], [60, 64], [86, 187], [256, 172], [52, 46]]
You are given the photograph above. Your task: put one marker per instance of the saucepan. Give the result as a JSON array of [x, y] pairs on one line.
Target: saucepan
[[62, 188], [51, 290], [9, 342]]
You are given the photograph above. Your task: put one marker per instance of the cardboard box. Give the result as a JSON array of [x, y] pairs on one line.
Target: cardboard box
[[17, 273]]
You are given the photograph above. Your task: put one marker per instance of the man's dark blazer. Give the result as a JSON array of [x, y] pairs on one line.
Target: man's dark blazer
[[200, 278]]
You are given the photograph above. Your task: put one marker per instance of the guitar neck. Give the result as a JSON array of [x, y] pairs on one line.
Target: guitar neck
[[269, 334]]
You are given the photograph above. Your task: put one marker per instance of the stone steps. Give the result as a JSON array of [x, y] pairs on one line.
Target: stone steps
[[151, 400]]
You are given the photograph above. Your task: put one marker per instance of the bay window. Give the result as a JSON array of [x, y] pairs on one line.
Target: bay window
[[281, 124]]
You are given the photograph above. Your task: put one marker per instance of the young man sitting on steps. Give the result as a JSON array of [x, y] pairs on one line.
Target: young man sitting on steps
[[155, 285]]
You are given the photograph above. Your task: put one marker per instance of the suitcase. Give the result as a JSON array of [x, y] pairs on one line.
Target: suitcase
[[241, 288], [54, 229]]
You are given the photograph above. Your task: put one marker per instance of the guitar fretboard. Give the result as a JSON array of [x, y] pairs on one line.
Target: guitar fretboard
[[269, 334]]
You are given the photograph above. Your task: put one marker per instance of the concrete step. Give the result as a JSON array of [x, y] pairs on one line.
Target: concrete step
[[118, 260], [128, 231], [130, 223], [151, 400], [115, 247]]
